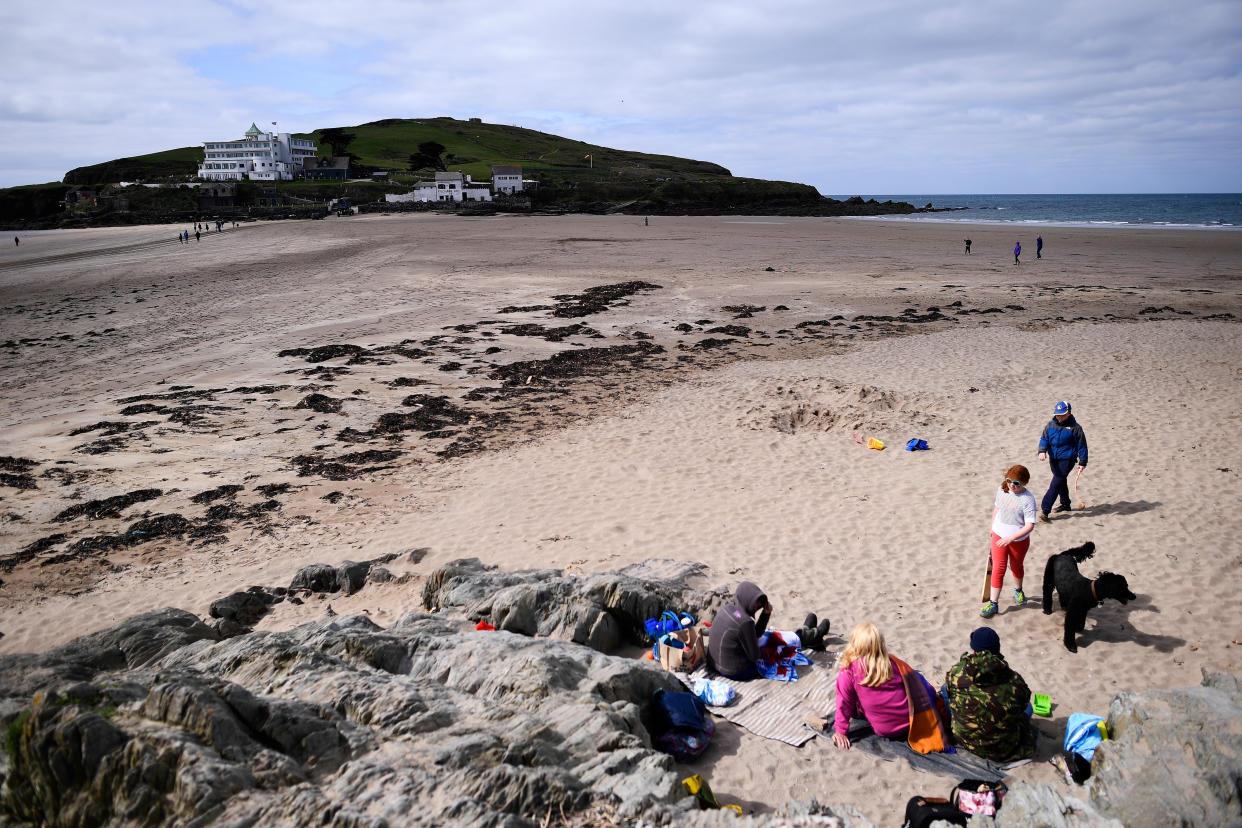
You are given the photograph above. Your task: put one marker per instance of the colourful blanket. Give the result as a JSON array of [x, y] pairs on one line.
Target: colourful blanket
[[778, 659]]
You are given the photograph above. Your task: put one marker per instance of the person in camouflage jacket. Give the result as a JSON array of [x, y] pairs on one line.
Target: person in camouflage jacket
[[989, 702]]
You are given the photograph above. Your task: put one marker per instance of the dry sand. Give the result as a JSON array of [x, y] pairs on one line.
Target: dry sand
[[741, 456]]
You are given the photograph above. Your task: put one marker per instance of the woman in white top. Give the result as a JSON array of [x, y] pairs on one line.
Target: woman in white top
[[1012, 522]]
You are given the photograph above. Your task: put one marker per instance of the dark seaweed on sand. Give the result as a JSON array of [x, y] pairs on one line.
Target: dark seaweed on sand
[[108, 507], [597, 299], [575, 363]]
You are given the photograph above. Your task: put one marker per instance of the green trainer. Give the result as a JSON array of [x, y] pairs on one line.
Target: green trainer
[[989, 609], [1019, 597]]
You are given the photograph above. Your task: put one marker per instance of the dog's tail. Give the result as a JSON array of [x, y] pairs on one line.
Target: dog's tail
[[1081, 553], [1049, 583]]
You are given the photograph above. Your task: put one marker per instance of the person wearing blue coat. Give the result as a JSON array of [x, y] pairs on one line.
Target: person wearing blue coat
[[1063, 443]]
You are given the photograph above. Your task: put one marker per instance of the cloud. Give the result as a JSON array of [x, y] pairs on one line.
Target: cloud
[[869, 98]]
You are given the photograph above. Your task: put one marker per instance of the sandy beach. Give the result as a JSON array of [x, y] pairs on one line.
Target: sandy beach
[[710, 411]]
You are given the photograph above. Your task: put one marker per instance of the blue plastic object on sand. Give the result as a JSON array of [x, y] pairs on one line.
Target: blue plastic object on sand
[[916, 444]]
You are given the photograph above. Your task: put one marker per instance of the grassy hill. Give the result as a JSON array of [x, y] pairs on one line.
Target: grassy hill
[[572, 175]]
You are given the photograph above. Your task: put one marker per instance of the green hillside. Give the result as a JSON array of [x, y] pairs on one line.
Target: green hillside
[[170, 164], [473, 147], [571, 175]]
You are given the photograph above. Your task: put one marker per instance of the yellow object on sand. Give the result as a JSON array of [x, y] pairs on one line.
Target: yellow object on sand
[[697, 786], [873, 443]]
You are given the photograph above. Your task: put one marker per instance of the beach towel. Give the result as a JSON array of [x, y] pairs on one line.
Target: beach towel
[[778, 659], [927, 714], [776, 709]]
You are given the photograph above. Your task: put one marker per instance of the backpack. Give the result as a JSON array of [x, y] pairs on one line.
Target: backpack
[[978, 796], [922, 811], [683, 727]]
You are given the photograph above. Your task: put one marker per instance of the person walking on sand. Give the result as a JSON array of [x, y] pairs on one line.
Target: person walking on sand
[[967, 246], [1017, 251], [197, 236], [1063, 443], [1013, 518], [1039, 247], [17, 242]]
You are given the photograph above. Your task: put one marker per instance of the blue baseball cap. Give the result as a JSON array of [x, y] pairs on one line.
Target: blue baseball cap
[[985, 638], [1061, 408]]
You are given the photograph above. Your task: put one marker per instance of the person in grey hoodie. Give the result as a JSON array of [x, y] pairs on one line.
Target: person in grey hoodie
[[733, 645]]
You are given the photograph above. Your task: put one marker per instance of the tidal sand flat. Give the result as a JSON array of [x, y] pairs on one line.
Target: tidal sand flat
[[183, 421]]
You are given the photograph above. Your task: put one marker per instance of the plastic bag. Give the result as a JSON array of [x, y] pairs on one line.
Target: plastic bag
[[714, 693]]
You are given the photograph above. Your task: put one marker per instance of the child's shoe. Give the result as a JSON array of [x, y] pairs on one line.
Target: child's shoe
[[989, 609]]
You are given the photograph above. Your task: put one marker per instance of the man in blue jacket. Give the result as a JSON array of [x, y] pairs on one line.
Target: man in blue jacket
[[1063, 443]]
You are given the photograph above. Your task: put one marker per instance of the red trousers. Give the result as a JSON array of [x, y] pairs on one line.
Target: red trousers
[[1010, 556]]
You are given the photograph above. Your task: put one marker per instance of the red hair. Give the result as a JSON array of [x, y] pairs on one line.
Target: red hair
[[1018, 473]]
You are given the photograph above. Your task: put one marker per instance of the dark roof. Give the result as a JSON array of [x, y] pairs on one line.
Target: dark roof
[[505, 170], [336, 162]]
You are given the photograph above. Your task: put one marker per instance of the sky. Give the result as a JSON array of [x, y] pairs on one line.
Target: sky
[[854, 98]]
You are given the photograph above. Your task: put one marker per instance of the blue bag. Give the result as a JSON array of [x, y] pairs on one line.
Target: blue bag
[[683, 727], [915, 444], [1082, 734], [668, 622]]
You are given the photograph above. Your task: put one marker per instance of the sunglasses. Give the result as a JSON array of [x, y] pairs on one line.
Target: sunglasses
[[1014, 482]]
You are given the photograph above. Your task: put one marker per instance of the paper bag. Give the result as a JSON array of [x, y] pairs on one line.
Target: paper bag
[[681, 650]]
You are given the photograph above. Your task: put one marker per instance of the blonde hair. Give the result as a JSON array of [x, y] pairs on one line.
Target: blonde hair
[[1018, 473], [867, 643]]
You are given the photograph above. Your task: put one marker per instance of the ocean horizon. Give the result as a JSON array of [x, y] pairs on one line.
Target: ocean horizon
[[1207, 211]]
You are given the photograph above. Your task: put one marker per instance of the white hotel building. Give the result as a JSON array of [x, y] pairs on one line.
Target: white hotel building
[[258, 156]]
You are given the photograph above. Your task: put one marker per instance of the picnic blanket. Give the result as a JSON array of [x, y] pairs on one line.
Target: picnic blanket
[[778, 709], [959, 765]]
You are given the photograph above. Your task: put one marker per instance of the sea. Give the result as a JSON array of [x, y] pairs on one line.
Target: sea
[[1209, 211]]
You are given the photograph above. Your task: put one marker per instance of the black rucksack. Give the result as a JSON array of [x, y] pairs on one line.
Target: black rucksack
[[683, 727], [922, 811]]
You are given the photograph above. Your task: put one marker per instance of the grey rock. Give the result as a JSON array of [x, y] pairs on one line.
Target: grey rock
[[1174, 756], [603, 611], [1041, 806], [349, 577]]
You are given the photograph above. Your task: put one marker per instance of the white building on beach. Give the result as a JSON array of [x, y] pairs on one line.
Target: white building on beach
[[448, 186], [258, 156]]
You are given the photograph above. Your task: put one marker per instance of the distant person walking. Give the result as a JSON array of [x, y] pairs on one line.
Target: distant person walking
[[1039, 247], [17, 242], [1062, 442], [197, 236], [180, 238], [1017, 251], [968, 246], [646, 222]]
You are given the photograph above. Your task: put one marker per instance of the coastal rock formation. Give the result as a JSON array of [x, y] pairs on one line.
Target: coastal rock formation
[[603, 610], [165, 719], [1175, 756], [162, 720]]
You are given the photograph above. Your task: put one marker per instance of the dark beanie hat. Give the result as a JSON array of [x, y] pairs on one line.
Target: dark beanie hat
[[985, 638]]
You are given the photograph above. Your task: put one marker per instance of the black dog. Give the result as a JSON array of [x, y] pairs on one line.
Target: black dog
[[1078, 594]]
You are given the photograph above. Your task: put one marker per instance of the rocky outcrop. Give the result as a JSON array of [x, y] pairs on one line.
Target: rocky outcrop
[[602, 610], [1174, 756], [162, 720]]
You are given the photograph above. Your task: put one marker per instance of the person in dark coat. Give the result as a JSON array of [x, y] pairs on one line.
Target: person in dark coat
[[733, 644], [1062, 442], [989, 702]]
